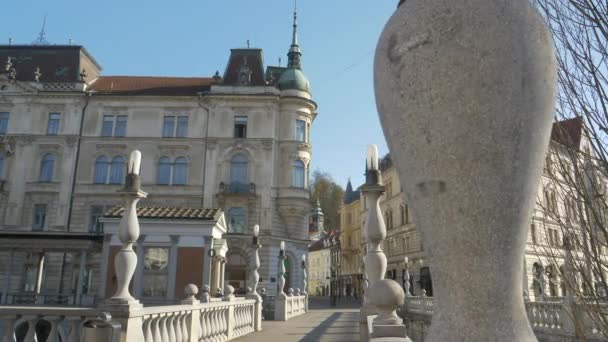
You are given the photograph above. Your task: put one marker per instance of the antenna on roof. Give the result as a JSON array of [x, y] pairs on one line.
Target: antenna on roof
[[248, 43], [69, 41], [10, 41], [41, 40], [279, 61]]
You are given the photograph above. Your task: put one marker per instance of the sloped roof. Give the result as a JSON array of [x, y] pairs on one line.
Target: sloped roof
[[151, 85], [173, 213], [568, 132], [245, 59], [320, 244]]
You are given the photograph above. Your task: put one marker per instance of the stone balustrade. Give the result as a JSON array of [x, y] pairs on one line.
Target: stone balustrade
[[46, 323], [18, 298], [221, 320], [289, 307], [552, 320]]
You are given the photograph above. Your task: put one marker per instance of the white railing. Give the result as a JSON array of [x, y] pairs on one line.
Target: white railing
[[550, 319], [191, 321], [55, 299], [289, 306], [53, 323]]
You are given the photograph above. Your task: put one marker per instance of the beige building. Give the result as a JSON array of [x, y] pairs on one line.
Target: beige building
[[544, 247], [238, 141], [351, 270]]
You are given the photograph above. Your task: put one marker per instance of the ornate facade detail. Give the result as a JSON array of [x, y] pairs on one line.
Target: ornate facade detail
[[25, 140], [71, 141]]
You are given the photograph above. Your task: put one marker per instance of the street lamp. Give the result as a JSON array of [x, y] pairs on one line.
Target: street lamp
[[256, 264], [281, 294]]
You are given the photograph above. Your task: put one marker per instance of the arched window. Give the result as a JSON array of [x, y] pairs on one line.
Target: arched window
[[237, 220], [180, 171], [117, 169], [47, 166], [298, 174], [238, 172], [101, 170], [164, 171], [2, 162]]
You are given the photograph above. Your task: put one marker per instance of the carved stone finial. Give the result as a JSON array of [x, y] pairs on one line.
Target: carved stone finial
[[387, 296], [217, 76], [190, 291], [290, 292], [83, 75]]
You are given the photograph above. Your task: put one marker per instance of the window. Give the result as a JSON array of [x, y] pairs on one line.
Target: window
[[53, 124], [298, 174], [156, 272], [29, 279], [2, 162], [388, 219], [180, 171], [389, 189], [182, 127], [403, 219], [3, 122], [238, 173], [95, 226], [101, 170], [237, 220], [533, 233], [172, 173], [47, 166], [240, 127], [300, 130], [117, 169], [169, 126], [39, 222], [114, 126]]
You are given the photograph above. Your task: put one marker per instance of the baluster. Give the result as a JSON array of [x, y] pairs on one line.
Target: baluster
[[177, 329], [75, 326], [215, 326], [204, 332], [164, 334], [184, 326], [9, 328], [147, 328], [157, 330], [170, 327], [31, 328], [54, 333]]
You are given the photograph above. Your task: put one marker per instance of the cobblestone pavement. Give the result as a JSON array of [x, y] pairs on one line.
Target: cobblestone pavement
[[322, 323]]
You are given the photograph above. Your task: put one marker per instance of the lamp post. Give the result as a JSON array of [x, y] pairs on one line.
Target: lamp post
[[304, 282], [256, 262], [281, 293], [406, 276]]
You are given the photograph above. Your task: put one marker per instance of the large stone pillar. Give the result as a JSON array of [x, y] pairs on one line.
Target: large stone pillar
[[208, 261], [172, 272], [465, 90]]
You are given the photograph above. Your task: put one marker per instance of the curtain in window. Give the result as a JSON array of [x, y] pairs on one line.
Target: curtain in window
[[164, 171], [182, 126], [107, 126], [298, 174], [238, 170], [46, 167], [168, 126], [180, 171], [121, 126], [101, 170], [117, 169]]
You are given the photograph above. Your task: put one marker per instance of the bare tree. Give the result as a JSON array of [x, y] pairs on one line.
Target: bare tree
[[571, 213]]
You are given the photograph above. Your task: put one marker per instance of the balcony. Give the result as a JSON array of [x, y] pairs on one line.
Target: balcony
[[237, 188]]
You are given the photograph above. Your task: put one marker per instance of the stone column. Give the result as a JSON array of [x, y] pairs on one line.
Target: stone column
[[81, 273], [222, 273], [466, 104], [172, 267], [208, 261]]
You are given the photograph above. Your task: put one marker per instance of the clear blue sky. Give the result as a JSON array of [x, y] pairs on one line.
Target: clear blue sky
[[194, 38]]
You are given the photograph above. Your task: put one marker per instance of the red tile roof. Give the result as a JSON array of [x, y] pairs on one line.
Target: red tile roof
[[175, 213], [150, 85], [320, 244], [568, 132]]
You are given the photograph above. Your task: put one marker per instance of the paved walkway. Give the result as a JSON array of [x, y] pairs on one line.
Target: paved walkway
[[322, 323]]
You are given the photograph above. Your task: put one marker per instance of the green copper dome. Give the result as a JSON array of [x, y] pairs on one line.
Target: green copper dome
[[293, 78]]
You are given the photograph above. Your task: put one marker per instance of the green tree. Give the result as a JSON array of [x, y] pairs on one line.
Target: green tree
[[325, 189]]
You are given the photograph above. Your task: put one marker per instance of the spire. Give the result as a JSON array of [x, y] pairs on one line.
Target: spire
[[41, 40], [294, 53]]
